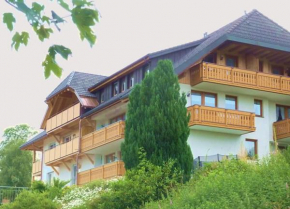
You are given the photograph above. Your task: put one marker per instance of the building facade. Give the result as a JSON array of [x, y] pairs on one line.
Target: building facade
[[237, 83]]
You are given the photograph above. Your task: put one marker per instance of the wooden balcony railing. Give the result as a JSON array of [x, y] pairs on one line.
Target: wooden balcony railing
[[106, 171], [36, 168], [209, 72], [61, 151], [103, 136], [63, 117], [282, 129], [222, 118]]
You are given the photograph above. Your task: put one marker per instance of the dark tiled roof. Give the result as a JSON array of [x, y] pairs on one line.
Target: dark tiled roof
[[79, 82], [116, 98], [37, 137], [253, 27]]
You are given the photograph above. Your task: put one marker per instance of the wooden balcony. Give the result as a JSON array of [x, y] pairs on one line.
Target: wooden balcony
[[228, 121], [60, 152], [36, 168], [103, 136], [63, 117], [282, 129], [107, 171], [208, 72]]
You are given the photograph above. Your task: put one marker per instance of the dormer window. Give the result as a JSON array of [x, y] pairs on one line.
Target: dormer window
[[123, 84], [102, 96], [115, 88], [130, 81]]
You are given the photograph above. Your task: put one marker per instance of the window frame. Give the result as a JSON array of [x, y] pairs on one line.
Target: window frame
[[130, 78], [261, 66], [102, 96], [116, 91], [255, 145], [236, 58], [236, 102], [261, 108], [122, 116], [123, 85], [202, 93], [278, 67]]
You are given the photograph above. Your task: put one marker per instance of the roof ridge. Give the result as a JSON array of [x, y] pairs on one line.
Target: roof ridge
[[70, 78], [241, 20]]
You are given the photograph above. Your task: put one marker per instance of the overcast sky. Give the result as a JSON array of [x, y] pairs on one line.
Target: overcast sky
[[128, 30]]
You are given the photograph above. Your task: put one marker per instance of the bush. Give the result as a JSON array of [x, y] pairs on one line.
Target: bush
[[235, 184], [31, 200], [38, 186], [142, 184]]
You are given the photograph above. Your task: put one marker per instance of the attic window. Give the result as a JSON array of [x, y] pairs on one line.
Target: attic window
[[102, 97], [115, 88], [130, 81]]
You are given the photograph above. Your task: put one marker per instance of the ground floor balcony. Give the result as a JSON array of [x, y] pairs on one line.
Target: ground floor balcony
[[282, 131], [36, 168], [61, 153], [221, 120], [103, 136], [107, 171]]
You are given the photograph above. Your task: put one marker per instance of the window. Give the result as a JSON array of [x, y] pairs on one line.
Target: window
[[52, 145], [49, 178], [251, 148], [261, 66], [123, 84], [74, 174], [110, 158], [130, 81], [145, 71], [66, 139], [282, 112], [231, 103], [231, 61], [277, 70], [118, 118], [102, 96], [202, 98], [210, 58], [258, 107], [115, 88]]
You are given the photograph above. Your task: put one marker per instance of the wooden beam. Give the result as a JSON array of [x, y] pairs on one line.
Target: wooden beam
[[57, 138], [90, 159], [92, 124], [280, 59], [237, 48], [275, 56], [262, 55], [53, 168], [68, 168]]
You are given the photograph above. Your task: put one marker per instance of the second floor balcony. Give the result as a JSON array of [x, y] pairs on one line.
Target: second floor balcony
[[55, 155], [103, 136], [221, 120], [218, 74]]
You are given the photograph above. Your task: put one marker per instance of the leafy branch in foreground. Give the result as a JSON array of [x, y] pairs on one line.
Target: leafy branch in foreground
[[82, 13]]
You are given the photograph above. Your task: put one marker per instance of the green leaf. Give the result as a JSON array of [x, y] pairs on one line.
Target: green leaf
[[85, 18], [82, 3], [63, 5], [9, 19], [18, 39], [45, 19], [42, 32], [59, 49], [37, 8], [49, 65]]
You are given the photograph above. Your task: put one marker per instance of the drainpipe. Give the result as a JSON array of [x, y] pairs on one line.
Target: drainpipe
[[80, 137]]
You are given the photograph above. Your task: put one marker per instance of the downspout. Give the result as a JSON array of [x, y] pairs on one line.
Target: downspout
[[80, 137]]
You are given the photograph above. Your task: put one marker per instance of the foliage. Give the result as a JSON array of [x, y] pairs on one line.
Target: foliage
[[15, 164], [22, 131], [31, 200], [82, 13], [235, 184], [141, 184], [55, 190], [157, 120], [79, 197], [38, 186]]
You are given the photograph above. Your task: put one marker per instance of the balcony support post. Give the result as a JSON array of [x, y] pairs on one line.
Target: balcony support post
[[66, 165], [90, 159], [53, 168]]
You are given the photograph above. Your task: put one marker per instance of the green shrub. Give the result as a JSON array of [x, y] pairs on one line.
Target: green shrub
[[31, 200], [235, 184], [142, 184], [38, 186]]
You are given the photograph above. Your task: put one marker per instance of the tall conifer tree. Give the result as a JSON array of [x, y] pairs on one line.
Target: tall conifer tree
[[157, 120]]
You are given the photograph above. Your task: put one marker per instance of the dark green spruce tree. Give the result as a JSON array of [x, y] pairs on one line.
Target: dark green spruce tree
[[157, 120]]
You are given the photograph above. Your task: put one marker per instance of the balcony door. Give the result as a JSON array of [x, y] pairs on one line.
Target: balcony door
[[282, 112]]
